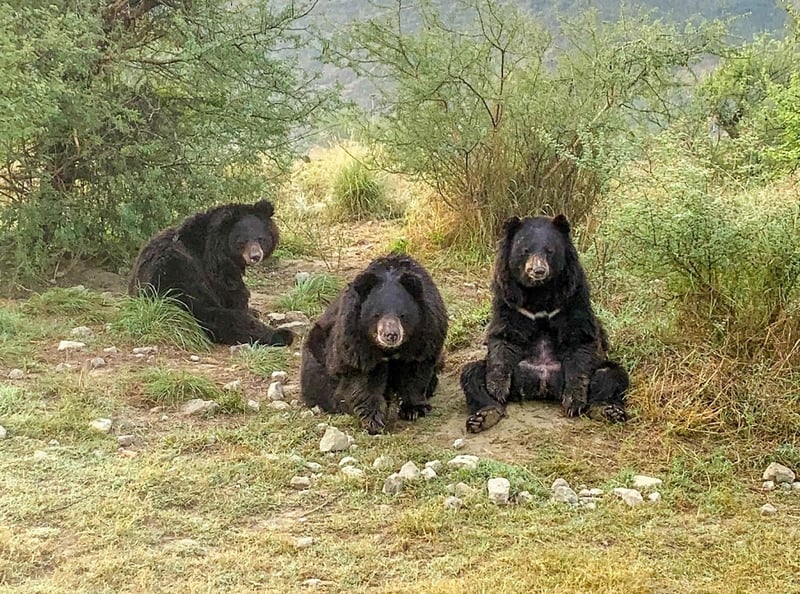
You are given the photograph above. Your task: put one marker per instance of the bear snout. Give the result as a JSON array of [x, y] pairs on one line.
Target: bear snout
[[389, 332], [537, 268], [252, 253]]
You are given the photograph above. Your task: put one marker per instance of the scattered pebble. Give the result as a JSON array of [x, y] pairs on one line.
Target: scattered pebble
[[40, 455], [768, 510], [352, 472], [453, 502], [61, 367], [393, 484], [316, 410], [314, 467], [498, 490], [768, 485], [303, 542], [146, 350], [629, 496], [279, 405], [254, 405], [778, 473], [97, 363], [428, 473], [334, 440], [409, 471], [70, 345], [642, 482], [565, 494], [240, 347], [322, 426], [381, 462], [466, 461], [81, 332], [198, 406], [313, 582], [112, 350], [435, 465], [796, 486], [523, 497], [102, 425], [596, 492], [232, 386], [296, 458], [589, 505], [306, 413], [458, 444], [654, 497], [280, 376], [348, 461], [275, 391], [194, 358], [16, 374], [559, 482], [463, 490], [54, 443], [300, 482], [3, 432], [786, 486], [125, 440]]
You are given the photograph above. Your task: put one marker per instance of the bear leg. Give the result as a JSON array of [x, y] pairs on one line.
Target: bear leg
[[364, 393], [412, 382], [485, 411], [607, 392]]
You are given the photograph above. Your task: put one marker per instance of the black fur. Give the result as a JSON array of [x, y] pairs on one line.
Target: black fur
[[345, 368], [561, 353], [201, 263]]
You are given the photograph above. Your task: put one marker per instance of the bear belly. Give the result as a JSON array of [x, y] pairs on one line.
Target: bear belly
[[540, 374]]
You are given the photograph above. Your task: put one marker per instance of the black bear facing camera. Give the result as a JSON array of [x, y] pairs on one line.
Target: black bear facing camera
[[378, 345], [201, 262], [544, 340]]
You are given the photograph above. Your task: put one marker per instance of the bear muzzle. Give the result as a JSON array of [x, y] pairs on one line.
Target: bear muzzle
[[252, 253], [389, 333], [536, 268]]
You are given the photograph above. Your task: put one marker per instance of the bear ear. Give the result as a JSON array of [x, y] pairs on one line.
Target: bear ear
[[264, 208], [412, 284], [561, 223], [364, 283], [511, 226], [194, 227]]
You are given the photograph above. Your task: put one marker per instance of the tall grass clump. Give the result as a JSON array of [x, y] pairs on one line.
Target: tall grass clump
[[359, 193], [75, 303], [159, 320], [311, 296], [263, 360], [168, 387]]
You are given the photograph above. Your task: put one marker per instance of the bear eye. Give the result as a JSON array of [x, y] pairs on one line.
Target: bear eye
[[549, 251]]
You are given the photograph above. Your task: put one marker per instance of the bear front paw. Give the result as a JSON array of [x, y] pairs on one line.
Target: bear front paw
[[498, 386], [411, 412], [573, 407], [281, 337], [373, 423], [484, 419]]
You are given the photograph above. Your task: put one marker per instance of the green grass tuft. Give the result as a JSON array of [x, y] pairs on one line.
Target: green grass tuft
[[359, 193], [159, 320], [263, 360], [164, 386], [467, 325], [313, 295], [74, 302]]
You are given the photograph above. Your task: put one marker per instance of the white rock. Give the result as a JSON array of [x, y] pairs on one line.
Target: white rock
[[428, 473], [565, 494], [16, 374], [145, 350], [348, 461], [786, 486], [316, 410], [458, 444], [312, 582], [523, 497], [194, 358], [279, 405], [393, 484], [452, 502], [61, 367], [295, 403], [303, 542], [466, 461], [590, 505], [232, 386], [112, 350], [254, 405], [313, 466], [306, 413], [3, 432], [296, 458], [70, 345], [280, 376], [463, 490], [352, 472], [768, 485], [583, 493], [654, 497], [275, 391], [643, 482], [381, 462], [125, 440], [435, 465], [768, 510], [796, 486], [54, 443], [559, 482], [97, 363], [300, 482], [596, 492], [240, 347], [81, 332], [301, 277], [778, 473], [409, 471], [102, 425], [334, 440], [629, 496], [40, 455], [498, 490], [198, 406], [321, 427]]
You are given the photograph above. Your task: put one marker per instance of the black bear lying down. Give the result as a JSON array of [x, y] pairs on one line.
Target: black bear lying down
[[381, 338], [201, 263], [544, 340]]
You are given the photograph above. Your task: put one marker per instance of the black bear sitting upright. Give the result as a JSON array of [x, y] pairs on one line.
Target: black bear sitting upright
[[544, 340], [201, 263], [381, 337]]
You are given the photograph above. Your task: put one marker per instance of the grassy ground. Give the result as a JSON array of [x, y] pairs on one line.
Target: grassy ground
[[205, 504]]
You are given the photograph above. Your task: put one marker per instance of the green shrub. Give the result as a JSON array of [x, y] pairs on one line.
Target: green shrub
[[359, 193]]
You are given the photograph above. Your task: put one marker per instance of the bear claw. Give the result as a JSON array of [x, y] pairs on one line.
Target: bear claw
[[412, 412], [484, 419]]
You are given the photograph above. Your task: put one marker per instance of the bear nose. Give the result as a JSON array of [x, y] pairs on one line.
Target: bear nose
[[255, 255], [392, 337], [539, 271]]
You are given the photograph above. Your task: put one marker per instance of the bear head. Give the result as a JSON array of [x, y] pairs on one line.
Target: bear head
[[536, 250], [390, 312], [253, 236]]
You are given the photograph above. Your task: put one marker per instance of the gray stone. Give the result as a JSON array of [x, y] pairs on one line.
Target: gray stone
[[314, 467], [393, 484], [198, 406], [97, 363], [279, 376], [236, 348], [301, 277], [590, 505], [300, 482], [463, 490], [101, 425], [313, 582], [643, 482], [275, 391], [559, 482], [276, 317], [654, 497], [768, 486], [70, 345], [306, 413], [435, 465], [297, 316], [279, 405], [112, 350], [409, 471], [596, 492], [81, 332], [16, 374], [796, 486], [62, 367], [629, 496], [194, 358], [348, 461], [232, 386], [452, 502], [498, 490], [565, 494], [352, 472], [786, 486], [459, 443], [768, 510], [466, 461], [523, 497], [254, 405], [303, 542], [381, 462], [778, 473], [428, 473], [3, 432], [334, 440], [316, 410], [293, 326], [125, 440], [146, 350]]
